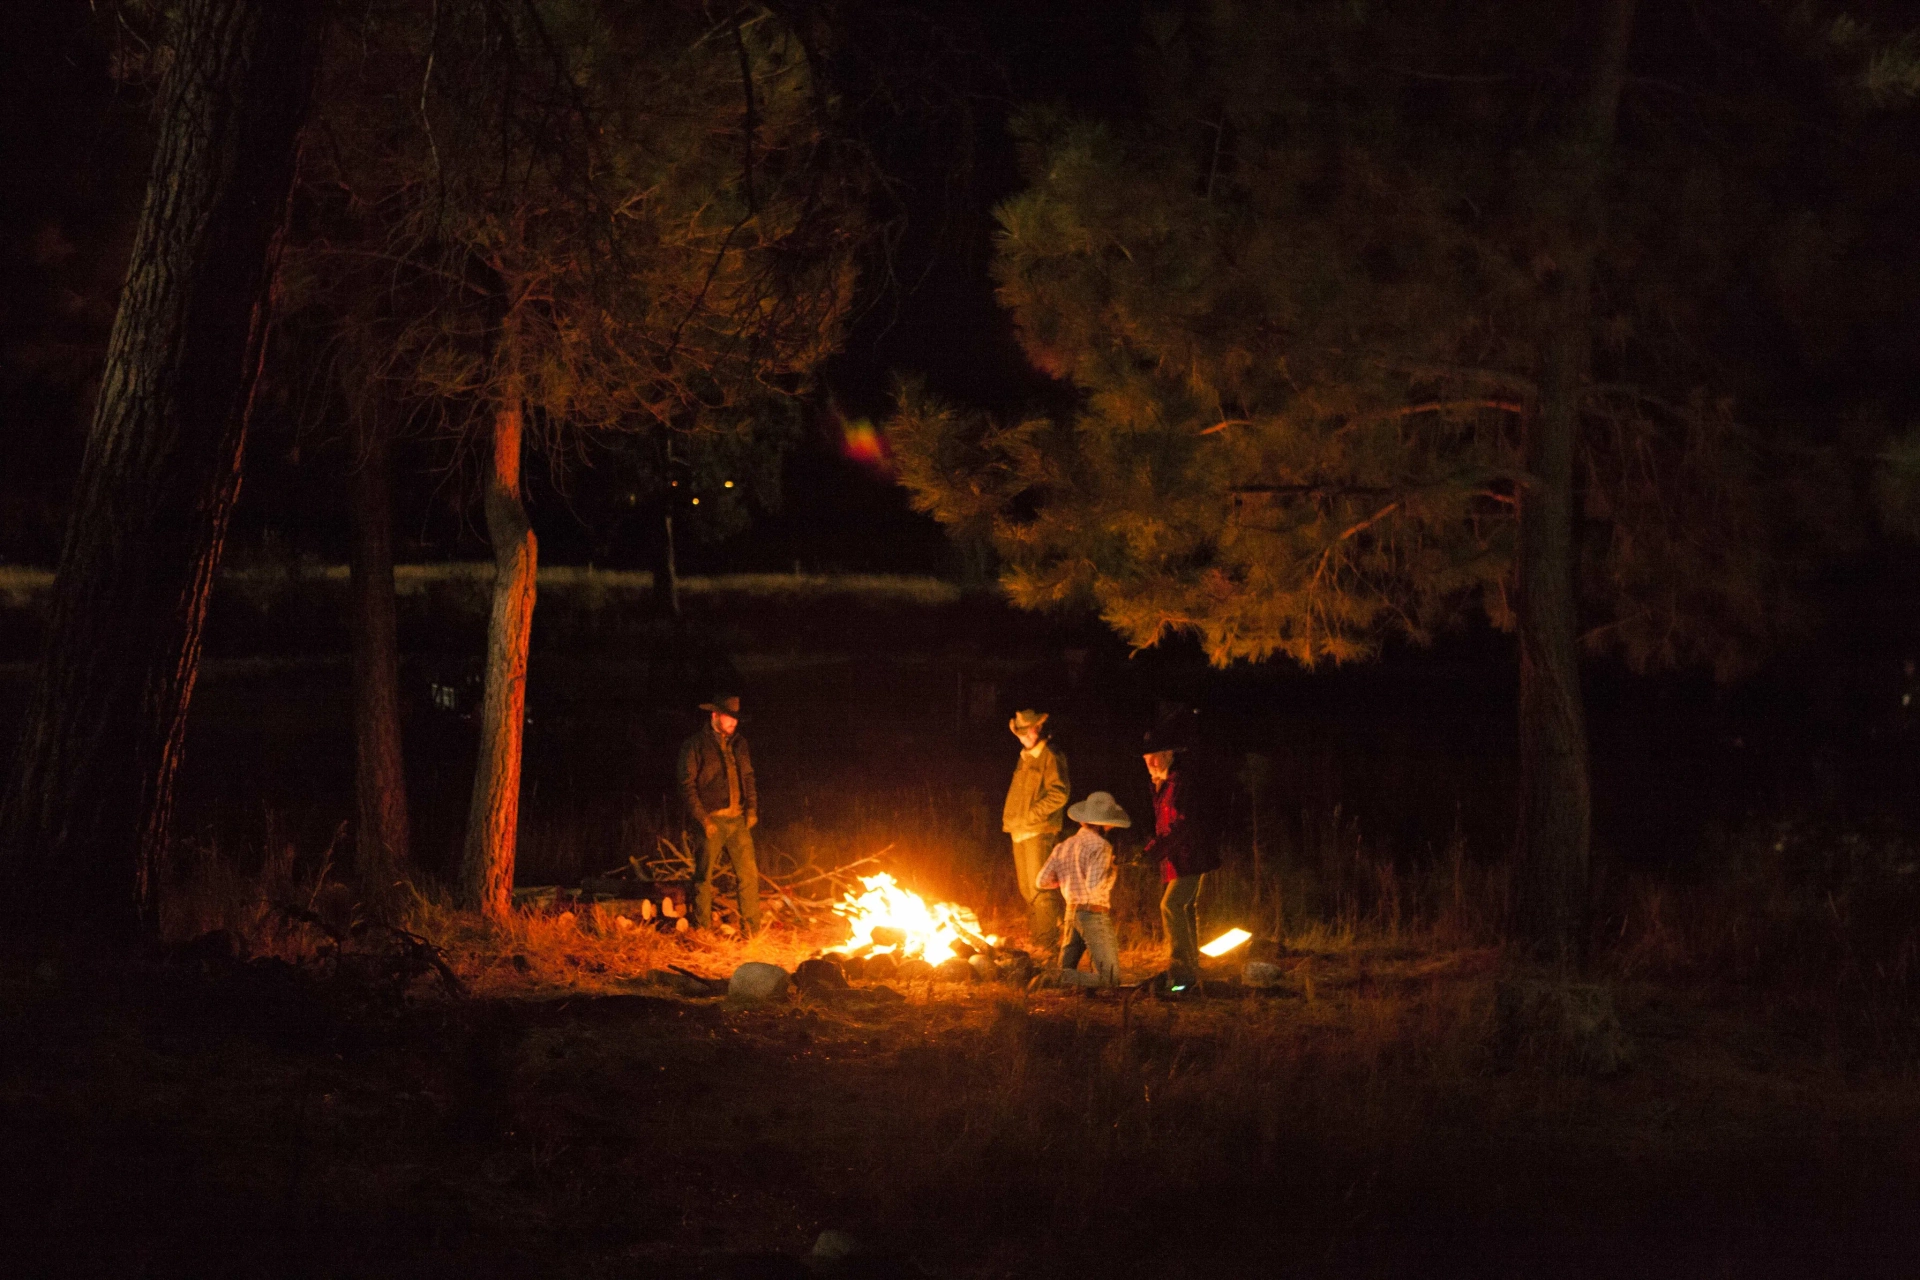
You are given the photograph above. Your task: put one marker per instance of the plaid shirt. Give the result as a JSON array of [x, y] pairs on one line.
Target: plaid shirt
[[1081, 867]]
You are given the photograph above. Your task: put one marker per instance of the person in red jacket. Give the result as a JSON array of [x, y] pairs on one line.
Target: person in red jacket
[[1184, 846]]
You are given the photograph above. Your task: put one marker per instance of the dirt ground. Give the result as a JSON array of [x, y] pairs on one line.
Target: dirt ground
[[569, 1117]]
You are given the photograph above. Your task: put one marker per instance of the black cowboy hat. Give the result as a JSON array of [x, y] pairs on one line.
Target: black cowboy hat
[[727, 704]]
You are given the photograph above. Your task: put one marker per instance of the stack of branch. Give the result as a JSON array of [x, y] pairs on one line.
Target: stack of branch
[[797, 888]]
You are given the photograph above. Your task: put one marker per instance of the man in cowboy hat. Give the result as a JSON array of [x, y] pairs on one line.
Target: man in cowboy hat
[[1035, 801], [1081, 867], [716, 782]]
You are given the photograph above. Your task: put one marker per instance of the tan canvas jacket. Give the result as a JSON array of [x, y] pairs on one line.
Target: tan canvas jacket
[[1037, 798]]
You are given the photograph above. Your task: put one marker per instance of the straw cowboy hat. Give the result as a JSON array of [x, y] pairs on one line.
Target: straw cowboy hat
[[726, 704], [1024, 720], [1101, 810]]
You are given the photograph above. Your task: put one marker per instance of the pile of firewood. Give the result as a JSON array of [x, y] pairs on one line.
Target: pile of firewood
[[654, 892]]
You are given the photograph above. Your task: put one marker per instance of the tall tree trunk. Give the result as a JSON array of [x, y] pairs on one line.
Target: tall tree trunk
[[486, 877], [1555, 820], [87, 812], [380, 782], [666, 569]]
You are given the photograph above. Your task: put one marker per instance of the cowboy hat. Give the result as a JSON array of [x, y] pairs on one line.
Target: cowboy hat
[[1101, 810], [1028, 719], [726, 704], [1176, 729]]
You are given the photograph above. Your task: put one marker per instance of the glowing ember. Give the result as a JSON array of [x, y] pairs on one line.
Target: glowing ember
[[1225, 943], [929, 931]]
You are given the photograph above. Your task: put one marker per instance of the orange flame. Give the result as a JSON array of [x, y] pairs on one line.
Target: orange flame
[[930, 929]]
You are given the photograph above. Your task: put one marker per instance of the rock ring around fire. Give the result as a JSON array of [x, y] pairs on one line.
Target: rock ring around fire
[[756, 980]]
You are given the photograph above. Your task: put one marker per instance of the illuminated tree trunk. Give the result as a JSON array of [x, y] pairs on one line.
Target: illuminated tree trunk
[[88, 806], [380, 782], [486, 878], [1554, 832]]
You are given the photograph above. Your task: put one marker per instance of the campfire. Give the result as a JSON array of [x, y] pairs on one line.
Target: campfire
[[890, 920]]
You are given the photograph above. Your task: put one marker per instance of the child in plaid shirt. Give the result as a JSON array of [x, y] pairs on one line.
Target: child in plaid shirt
[[1081, 867]]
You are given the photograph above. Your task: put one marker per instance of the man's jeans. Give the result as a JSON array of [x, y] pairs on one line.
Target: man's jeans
[[1044, 906], [1091, 935], [732, 837], [1180, 913]]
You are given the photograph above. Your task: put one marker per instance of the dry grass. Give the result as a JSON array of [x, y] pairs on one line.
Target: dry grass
[[1365, 1119]]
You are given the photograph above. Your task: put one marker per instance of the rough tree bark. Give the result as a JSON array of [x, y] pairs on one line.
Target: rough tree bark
[[88, 807], [380, 782], [486, 876], [1555, 821]]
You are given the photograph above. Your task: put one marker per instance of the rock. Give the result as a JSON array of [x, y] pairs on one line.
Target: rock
[[954, 970], [852, 968], [983, 966], [834, 1246], [819, 974], [887, 936], [880, 968], [1261, 975], [756, 980], [1015, 967], [913, 970]]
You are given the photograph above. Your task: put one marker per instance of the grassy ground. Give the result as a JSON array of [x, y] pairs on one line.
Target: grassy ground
[[1372, 1117], [1733, 1091]]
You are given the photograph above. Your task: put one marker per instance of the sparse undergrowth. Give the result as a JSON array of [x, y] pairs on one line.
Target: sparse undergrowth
[[1732, 1092]]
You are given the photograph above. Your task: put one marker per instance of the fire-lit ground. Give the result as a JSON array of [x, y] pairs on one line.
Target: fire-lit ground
[[571, 1119]]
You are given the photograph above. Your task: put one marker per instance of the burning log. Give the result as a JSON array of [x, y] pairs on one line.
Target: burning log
[[887, 917]]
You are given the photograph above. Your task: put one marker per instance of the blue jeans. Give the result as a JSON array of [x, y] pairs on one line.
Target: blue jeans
[[1091, 935]]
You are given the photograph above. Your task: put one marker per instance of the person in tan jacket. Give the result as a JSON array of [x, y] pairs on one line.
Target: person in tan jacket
[[1036, 801]]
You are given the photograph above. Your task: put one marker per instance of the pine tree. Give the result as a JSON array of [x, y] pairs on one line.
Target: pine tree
[[594, 217], [88, 810], [1325, 308]]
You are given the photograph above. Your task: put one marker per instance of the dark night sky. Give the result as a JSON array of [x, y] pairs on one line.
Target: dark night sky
[[73, 146], [81, 138]]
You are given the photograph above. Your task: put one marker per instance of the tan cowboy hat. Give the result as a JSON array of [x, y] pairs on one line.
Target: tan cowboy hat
[[1028, 719], [726, 704], [1100, 809]]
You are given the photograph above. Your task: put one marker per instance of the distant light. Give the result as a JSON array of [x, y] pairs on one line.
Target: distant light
[[676, 484], [696, 502], [728, 485], [1225, 943]]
